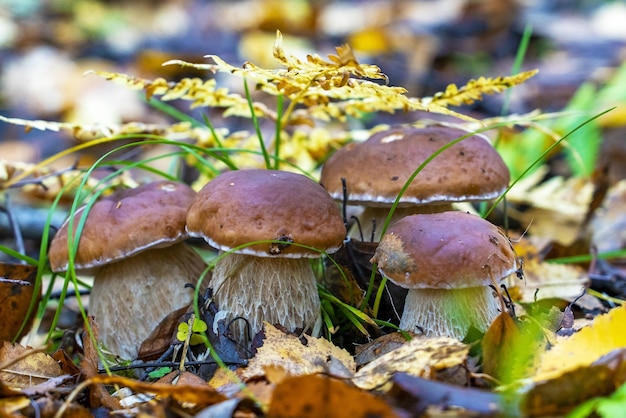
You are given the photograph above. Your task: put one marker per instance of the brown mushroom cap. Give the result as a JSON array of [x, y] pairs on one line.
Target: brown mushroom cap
[[126, 223], [239, 207], [445, 250], [377, 169]]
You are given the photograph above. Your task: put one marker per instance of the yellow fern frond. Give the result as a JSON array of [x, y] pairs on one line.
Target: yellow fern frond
[[318, 89], [474, 89]]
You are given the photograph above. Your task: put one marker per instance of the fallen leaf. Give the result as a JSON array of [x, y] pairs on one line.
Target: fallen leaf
[[201, 395], [557, 206], [420, 357], [17, 289], [561, 392], [98, 395], [510, 348], [608, 224], [314, 396], [229, 407], [604, 335], [19, 369], [370, 351], [162, 337], [287, 351], [602, 406], [544, 280], [417, 394], [10, 407]]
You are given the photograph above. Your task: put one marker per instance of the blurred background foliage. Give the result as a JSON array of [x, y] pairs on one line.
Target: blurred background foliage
[[578, 47]]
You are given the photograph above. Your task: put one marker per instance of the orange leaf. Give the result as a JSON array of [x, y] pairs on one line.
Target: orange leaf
[[194, 393], [313, 396], [17, 287]]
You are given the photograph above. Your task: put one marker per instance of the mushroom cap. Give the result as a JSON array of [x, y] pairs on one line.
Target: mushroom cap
[[125, 223], [239, 207], [376, 170], [445, 250]]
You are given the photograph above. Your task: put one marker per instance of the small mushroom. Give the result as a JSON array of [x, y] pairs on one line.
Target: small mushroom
[[376, 171], [133, 242], [447, 261], [272, 280]]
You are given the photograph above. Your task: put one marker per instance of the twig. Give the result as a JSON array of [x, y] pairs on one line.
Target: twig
[[15, 228], [157, 364]]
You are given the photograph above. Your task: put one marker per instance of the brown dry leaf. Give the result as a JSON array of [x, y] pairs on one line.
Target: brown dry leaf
[[422, 356], [65, 362], [29, 370], [584, 347], [370, 351], [557, 207], [161, 337], [316, 396], [199, 395], [608, 225], [557, 396], [11, 406], [98, 395], [17, 288], [287, 351], [543, 280]]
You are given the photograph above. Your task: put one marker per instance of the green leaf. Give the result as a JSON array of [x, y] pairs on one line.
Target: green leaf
[[159, 373]]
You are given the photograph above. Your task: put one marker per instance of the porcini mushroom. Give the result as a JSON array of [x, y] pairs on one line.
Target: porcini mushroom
[[377, 169], [133, 241], [447, 261], [269, 281]]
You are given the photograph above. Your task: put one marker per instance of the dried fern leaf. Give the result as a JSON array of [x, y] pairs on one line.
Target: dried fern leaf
[[320, 89], [86, 133], [46, 183], [476, 88]]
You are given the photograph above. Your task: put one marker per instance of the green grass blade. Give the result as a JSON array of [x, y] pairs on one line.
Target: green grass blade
[[257, 127]]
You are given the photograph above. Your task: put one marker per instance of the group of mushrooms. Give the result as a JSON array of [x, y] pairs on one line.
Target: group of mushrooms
[[267, 224]]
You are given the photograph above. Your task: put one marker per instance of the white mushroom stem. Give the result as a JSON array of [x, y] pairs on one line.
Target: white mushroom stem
[[130, 297], [449, 312], [276, 290], [377, 215]]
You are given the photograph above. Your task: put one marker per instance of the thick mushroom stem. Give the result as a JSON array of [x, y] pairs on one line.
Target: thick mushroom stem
[[373, 215], [277, 290], [449, 312], [130, 297]]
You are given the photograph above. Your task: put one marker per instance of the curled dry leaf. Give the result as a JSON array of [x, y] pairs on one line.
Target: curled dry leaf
[[198, 395], [421, 357], [288, 352]]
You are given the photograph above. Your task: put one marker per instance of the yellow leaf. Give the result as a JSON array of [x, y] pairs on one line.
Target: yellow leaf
[[420, 357], [604, 335], [287, 351]]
